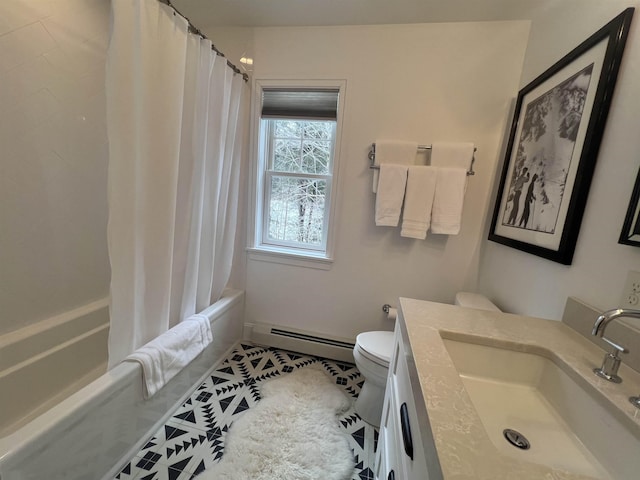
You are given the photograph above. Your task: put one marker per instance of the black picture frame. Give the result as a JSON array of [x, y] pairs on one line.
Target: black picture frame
[[630, 234], [553, 146]]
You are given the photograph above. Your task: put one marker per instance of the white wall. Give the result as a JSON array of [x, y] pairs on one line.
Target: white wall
[[234, 42], [523, 283], [414, 82], [53, 158]]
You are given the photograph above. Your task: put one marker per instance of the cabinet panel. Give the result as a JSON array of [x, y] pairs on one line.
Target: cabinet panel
[[416, 467], [400, 452], [380, 469], [384, 434], [389, 456]]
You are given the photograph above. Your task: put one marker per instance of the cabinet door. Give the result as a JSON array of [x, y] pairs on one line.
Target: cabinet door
[[400, 452], [414, 461], [389, 461]]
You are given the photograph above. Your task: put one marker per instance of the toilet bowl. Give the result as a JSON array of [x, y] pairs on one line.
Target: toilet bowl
[[372, 354]]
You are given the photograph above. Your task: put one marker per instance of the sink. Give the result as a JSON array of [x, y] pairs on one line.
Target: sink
[[566, 424]]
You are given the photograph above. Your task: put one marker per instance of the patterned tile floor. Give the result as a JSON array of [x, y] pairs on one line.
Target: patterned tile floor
[[193, 439]]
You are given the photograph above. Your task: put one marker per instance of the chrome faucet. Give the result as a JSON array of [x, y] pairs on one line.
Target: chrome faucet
[[611, 362], [603, 320]]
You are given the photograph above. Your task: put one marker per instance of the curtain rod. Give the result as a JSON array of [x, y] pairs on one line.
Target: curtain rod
[[196, 30]]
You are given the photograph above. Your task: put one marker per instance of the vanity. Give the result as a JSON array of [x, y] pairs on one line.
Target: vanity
[[473, 394]]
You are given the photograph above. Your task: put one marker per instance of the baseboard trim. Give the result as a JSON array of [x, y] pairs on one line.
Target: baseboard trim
[[310, 343]]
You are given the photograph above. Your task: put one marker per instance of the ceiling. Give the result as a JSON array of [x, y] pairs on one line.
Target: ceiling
[[253, 13]]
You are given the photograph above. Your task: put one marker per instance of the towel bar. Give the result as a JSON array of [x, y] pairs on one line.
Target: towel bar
[[372, 157]]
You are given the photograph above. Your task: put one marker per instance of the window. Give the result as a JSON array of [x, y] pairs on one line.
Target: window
[[297, 182], [296, 162]]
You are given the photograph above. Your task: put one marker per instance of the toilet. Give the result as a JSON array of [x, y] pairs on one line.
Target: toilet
[[372, 354]]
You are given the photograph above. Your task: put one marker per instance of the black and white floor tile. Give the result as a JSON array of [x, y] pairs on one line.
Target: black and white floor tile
[[193, 439]]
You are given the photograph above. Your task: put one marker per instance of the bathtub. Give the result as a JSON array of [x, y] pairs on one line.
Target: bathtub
[[90, 433], [39, 364]]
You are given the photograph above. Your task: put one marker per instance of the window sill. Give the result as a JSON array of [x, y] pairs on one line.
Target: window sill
[[288, 257]]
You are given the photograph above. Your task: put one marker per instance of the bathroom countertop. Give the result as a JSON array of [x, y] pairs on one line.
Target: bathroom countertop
[[463, 447]]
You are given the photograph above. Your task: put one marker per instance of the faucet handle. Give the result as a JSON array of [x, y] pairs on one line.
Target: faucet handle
[[611, 363], [617, 348]]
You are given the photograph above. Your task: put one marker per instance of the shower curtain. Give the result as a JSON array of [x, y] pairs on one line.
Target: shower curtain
[[174, 117]]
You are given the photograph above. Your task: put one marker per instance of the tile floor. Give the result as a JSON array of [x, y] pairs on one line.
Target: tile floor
[[193, 439]]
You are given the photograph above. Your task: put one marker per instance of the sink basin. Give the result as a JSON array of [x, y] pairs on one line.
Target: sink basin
[[567, 427]]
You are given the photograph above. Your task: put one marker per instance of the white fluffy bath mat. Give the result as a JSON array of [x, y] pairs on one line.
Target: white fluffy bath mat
[[292, 433]]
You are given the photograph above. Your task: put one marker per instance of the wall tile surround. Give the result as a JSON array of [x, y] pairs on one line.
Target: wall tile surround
[[53, 157]]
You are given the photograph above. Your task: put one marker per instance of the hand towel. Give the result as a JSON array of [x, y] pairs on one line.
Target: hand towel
[[445, 154], [446, 214], [421, 185], [392, 151], [166, 355], [393, 179]]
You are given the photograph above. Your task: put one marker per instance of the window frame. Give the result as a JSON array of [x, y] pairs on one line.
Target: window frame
[[260, 247], [269, 173]]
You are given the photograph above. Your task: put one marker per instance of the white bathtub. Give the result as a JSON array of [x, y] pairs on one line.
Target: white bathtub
[[88, 435], [43, 363]]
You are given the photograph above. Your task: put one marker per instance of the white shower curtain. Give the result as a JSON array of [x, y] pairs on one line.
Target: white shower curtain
[[174, 123]]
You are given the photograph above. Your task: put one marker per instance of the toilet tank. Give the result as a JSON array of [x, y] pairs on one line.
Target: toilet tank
[[475, 300]]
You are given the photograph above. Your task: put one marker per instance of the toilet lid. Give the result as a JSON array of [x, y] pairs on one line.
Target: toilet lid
[[378, 345]]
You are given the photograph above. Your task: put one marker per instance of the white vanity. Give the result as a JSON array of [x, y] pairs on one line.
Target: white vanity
[[405, 440], [459, 378]]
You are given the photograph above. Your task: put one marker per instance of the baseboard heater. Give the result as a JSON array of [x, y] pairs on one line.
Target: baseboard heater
[[300, 341]]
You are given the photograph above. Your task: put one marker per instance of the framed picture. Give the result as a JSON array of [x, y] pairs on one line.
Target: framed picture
[[553, 145], [630, 234]]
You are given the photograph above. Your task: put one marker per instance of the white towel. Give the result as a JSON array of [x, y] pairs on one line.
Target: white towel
[[446, 214], [392, 151], [163, 357], [445, 154], [393, 179], [421, 186]]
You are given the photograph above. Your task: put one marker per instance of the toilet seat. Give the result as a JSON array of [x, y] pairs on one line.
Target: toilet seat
[[376, 347]]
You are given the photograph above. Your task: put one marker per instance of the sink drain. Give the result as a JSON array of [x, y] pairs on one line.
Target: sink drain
[[516, 439]]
